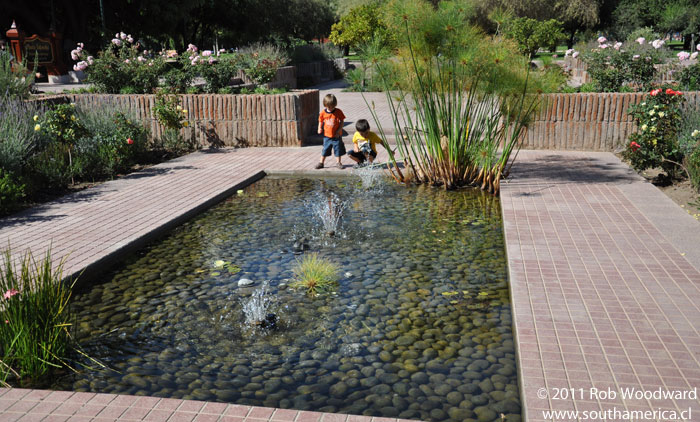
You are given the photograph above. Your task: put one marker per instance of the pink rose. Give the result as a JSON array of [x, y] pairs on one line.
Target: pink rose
[[601, 40], [8, 294]]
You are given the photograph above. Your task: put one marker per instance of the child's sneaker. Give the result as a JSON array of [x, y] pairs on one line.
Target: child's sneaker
[[319, 166]]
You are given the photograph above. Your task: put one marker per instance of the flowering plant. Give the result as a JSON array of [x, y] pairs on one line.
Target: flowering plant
[[123, 67], [631, 64], [655, 144]]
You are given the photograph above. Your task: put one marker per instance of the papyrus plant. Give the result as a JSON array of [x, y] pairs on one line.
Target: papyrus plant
[[453, 126]]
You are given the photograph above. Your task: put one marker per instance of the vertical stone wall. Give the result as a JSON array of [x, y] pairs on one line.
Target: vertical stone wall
[[586, 122], [282, 120]]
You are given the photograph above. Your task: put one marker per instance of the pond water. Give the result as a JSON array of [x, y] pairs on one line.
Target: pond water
[[419, 326]]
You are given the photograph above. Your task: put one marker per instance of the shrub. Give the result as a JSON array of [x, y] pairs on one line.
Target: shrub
[[16, 80], [360, 25], [19, 132], [610, 68], [531, 34], [172, 117], [261, 61], [218, 73], [655, 144], [693, 165], [11, 192], [35, 335], [50, 168], [315, 274], [121, 67], [689, 77]]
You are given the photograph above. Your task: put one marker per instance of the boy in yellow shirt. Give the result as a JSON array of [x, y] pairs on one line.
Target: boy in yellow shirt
[[364, 144]]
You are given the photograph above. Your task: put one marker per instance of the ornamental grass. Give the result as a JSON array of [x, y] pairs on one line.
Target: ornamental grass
[[458, 114], [35, 320], [315, 274]]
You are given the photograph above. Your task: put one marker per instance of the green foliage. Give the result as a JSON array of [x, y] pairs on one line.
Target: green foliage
[[631, 65], [180, 77], [11, 192], [218, 73], [35, 333], [168, 111], [360, 25], [315, 274], [655, 144], [20, 132], [123, 68], [61, 123], [50, 167], [469, 102], [309, 53], [693, 166], [261, 61], [16, 80], [531, 34], [689, 77], [645, 32]]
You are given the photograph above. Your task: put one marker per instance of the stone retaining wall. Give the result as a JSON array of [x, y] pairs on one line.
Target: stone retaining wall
[[286, 77], [282, 120], [316, 72], [586, 121]]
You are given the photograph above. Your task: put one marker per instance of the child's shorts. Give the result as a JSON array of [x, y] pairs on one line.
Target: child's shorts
[[361, 156], [335, 144]]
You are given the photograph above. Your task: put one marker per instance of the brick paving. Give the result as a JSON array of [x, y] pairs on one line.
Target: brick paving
[[603, 271]]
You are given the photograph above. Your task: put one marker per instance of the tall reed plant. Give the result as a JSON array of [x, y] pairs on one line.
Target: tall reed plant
[[453, 126], [35, 320]]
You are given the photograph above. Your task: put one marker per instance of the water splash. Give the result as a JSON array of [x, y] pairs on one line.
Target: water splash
[[371, 177], [329, 209], [258, 308]]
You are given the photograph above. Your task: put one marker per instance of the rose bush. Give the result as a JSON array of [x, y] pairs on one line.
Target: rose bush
[[655, 144]]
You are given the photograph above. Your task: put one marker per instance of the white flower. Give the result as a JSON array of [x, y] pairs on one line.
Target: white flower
[[575, 54], [683, 56], [694, 56], [658, 43], [617, 45], [603, 46], [662, 114], [635, 57], [651, 112], [122, 35], [697, 47], [75, 54], [641, 40], [117, 42], [695, 133], [569, 52], [644, 127], [206, 53], [601, 40]]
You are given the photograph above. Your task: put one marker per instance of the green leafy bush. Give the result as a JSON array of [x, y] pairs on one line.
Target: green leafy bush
[[121, 67], [362, 24], [218, 73], [261, 61], [689, 77], [693, 165], [11, 192], [655, 144], [172, 117], [35, 336], [50, 167], [611, 68], [531, 34]]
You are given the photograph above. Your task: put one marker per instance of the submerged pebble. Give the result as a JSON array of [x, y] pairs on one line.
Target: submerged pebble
[[419, 326]]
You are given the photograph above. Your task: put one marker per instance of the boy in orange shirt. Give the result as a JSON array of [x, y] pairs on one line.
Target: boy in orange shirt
[[330, 124]]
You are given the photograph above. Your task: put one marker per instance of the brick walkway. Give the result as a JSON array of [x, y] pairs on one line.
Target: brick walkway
[[603, 270]]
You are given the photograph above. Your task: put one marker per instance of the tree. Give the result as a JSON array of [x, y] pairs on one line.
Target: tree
[[531, 34], [577, 15], [360, 25]]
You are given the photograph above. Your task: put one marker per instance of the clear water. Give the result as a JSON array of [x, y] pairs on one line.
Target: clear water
[[418, 328]]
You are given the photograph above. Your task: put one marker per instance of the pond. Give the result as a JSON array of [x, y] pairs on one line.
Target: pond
[[419, 326]]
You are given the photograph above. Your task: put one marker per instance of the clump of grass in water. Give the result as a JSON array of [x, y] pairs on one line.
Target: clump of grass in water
[[34, 318], [315, 274]]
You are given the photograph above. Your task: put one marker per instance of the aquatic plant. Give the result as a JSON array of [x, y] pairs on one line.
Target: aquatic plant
[[458, 114], [35, 320], [315, 274]]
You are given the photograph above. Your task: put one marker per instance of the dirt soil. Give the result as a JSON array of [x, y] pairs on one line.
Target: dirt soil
[[680, 191]]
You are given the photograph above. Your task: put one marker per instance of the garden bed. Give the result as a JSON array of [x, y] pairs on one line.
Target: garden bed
[[220, 120]]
